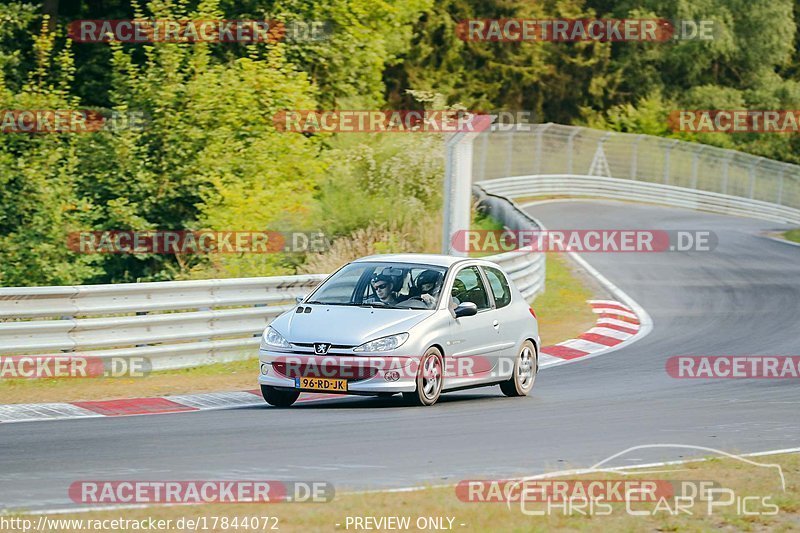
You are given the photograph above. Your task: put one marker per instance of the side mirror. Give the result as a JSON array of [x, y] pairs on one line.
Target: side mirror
[[466, 309], [300, 298]]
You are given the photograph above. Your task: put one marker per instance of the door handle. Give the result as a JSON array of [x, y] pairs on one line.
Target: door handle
[[496, 324]]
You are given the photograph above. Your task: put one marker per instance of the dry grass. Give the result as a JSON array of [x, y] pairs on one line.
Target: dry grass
[[418, 235]]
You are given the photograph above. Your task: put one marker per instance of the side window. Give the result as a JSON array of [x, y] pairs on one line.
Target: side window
[[468, 287], [500, 288]]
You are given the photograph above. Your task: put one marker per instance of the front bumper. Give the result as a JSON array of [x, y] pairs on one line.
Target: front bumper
[[402, 367]]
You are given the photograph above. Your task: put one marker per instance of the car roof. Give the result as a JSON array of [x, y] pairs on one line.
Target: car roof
[[424, 259]]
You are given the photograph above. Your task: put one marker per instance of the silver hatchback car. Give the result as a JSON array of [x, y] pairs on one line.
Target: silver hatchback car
[[413, 324]]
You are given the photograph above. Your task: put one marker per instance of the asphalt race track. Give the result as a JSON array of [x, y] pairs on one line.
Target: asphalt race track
[[743, 298]]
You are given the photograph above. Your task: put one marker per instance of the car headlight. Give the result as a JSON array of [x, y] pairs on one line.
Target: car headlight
[[383, 344], [272, 338]]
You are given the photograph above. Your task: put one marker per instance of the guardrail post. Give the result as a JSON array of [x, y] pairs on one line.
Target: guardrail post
[[141, 313], [70, 336], [208, 339], [571, 149]]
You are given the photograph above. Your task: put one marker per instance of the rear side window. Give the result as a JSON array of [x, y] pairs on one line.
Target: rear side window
[[500, 289]]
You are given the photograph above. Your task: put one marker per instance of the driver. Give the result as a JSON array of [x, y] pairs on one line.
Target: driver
[[383, 286], [428, 283]]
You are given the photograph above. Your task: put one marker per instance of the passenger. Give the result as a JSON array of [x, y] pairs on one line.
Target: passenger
[[428, 284], [458, 293], [383, 286]]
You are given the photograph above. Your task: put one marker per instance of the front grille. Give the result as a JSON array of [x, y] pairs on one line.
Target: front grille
[[333, 346]]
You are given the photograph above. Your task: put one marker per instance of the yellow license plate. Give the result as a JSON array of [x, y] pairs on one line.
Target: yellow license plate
[[326, 384]]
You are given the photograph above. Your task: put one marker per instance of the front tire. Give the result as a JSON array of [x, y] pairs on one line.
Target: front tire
[[429, 379], [279, 398], [526, 366]]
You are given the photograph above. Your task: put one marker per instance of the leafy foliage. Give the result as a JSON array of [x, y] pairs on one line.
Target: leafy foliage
[[211, 158]]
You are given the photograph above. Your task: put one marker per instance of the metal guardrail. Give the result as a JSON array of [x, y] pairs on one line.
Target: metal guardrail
[[620, 189], [175, 323]]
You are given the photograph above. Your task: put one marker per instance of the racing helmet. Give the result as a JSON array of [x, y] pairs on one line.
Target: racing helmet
[[427, 277]]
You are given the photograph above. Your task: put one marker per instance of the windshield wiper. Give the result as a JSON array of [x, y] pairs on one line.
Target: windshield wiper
[[374, 304], [327, 303]]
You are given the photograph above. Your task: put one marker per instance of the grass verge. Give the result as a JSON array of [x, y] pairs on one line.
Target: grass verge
[[237, 375], [761, 486], [792, 235], [562, 312]]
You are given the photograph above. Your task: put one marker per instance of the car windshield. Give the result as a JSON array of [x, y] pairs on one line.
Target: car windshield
[[382, 285]]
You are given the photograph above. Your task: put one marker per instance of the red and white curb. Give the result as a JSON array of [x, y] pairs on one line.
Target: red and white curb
[[32, 412], [616, 324]]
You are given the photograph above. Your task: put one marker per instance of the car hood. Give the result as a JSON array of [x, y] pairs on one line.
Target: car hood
[[346, 325]]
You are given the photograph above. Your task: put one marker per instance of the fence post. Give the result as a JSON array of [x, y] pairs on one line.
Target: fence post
[[571, 148], [666, 161], [537, 167], [695, 162], [635, 156], [725, 164], [457, 187], [752, 172], [510, 154], [484, 150]]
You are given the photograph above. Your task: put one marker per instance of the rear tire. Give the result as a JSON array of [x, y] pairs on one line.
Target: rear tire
[[278, 398], [526, 366], [429, 379]]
